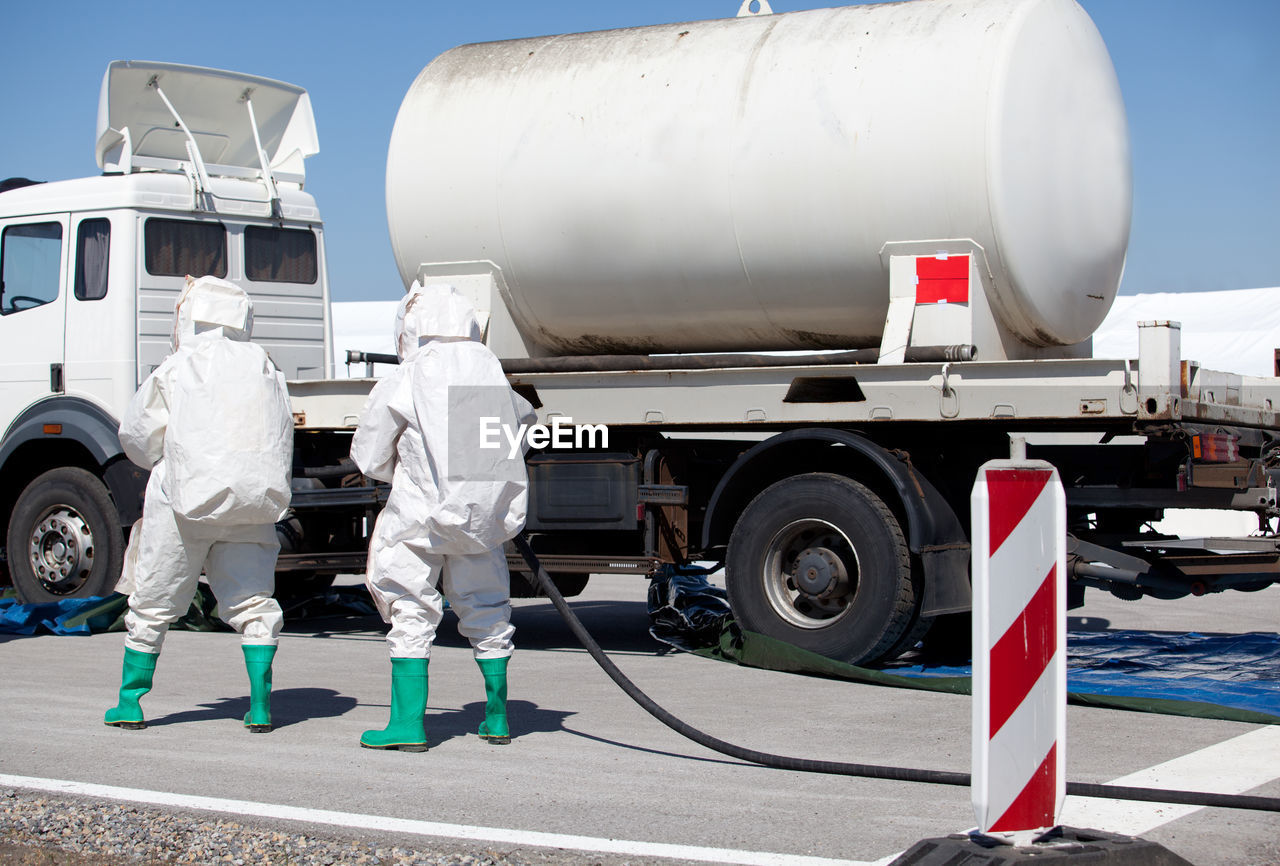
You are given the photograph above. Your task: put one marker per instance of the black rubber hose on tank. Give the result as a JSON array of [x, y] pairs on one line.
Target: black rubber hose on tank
[[627, 363], [872, 771]]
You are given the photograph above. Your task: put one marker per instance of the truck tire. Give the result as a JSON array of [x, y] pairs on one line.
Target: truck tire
[[819, 561], [64, 538], [567, 584], [297, 586]]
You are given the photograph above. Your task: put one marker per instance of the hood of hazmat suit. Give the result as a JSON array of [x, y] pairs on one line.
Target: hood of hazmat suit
[[214, 418], [435, 314], [212, 306], [439, 428]]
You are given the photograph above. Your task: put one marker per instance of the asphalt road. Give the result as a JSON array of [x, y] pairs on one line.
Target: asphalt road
[[586, 762]]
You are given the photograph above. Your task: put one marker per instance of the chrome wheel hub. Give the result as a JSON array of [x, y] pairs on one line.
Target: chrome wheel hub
[[810, 573], [61, 550]]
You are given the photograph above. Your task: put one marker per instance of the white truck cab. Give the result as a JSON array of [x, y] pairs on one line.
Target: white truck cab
[[203, 175]]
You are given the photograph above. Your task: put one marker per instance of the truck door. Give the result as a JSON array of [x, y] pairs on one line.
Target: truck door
[[33, 267], [101, 318]]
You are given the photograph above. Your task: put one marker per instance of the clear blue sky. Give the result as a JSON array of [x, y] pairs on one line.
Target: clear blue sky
[[1201, 83]]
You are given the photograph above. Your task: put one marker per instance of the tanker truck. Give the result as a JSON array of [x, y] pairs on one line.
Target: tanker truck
[[777, 286], [811, 270]]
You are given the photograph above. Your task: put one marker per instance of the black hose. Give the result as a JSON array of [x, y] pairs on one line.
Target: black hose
[[872, 771], [357, 357], [714, 361], [709, 361]]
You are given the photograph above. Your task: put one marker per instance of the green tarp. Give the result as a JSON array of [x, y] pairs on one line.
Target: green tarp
[[1257, 702]]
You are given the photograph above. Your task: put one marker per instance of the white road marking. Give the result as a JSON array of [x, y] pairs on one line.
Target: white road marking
[[1230, 767], [422, 828]]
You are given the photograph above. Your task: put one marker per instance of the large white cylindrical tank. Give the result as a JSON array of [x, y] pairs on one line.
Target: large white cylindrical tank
[[729, 184]]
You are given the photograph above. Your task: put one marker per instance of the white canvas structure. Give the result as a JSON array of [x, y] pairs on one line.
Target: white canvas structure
[[1236, 331], [363, 326]]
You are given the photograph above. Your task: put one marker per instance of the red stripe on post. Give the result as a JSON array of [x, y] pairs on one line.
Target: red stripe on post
[[1023, 652], [1012, 493], [1034, 806]]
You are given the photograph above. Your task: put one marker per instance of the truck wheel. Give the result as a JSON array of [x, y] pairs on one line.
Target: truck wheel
[[64, 538], [568, 584], [295, 586], [820, 562]]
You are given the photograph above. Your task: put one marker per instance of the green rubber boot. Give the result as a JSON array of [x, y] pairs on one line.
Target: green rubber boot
[[405, 731], [135, 681], [257, 661], [494, 727]]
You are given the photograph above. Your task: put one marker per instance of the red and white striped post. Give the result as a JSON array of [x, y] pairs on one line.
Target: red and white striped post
[[1019, 648]]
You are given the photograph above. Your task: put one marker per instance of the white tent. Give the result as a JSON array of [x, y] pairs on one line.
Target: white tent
[[363, 326], [1233, 331]]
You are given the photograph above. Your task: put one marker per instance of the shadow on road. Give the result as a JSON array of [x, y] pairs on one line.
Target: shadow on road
[[681, 755], [1088, 623], [619, 626], [525, 718], [288, 707]]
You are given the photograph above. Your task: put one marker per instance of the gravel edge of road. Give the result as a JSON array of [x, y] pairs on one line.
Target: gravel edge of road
[[41, 829]]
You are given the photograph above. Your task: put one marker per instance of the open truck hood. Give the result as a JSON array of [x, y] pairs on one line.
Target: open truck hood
[[137, 129]]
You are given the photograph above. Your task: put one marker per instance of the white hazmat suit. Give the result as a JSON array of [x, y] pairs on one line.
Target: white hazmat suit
[[456, 494], [213, 424]]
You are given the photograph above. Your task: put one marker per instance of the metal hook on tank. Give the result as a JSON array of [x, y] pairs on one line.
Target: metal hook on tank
[[949, 400], [751, 8], [1129, 393]]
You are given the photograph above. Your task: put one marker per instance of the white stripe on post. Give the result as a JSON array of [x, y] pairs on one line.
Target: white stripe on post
[[1019, 647]]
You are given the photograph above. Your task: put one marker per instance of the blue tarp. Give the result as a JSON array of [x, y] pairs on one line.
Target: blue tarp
[[106, 613], [1231, 677], [69, 616], [1212, 676], [1233, 671], [100, 613]]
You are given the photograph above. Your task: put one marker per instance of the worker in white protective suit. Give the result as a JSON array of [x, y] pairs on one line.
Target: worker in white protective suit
[[457, 493], [213, 424]]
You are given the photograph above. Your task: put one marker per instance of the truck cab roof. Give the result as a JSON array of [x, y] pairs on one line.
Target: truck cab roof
[[154, 190]]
